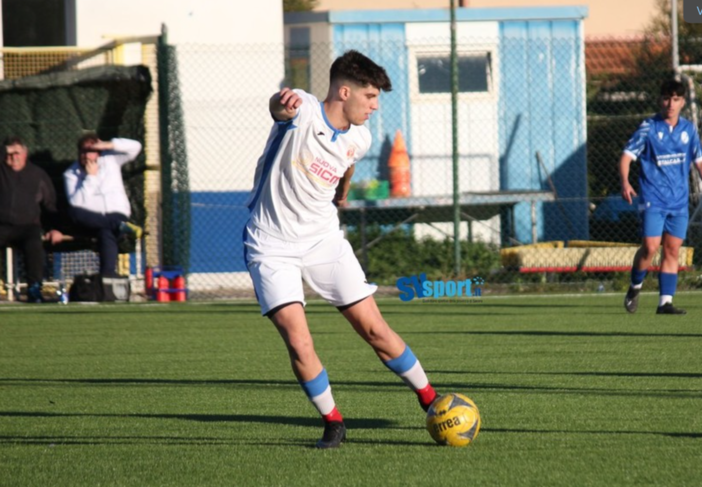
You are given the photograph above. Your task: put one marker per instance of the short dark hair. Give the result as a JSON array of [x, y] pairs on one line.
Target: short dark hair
[[673, 87], [13, 140], [354, 66], [87, 137]]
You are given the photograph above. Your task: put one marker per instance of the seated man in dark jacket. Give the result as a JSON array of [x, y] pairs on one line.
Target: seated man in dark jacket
[[25, 192]]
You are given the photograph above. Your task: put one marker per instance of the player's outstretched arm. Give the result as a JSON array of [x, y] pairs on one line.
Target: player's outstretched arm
[[628, 191], [284, 104]]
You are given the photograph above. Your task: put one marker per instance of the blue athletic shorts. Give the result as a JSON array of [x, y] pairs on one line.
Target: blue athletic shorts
[[656, 221]]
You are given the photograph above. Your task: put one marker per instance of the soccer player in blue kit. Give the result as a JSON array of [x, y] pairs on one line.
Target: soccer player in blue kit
[[294, 233], [665, 145]]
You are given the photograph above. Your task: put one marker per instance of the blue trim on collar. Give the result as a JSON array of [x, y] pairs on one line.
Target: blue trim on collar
[[336, 132]]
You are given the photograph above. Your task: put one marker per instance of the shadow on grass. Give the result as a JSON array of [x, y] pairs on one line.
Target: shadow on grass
[[351, 423], [190, 382], [354, 423], [671, 434], [560, 390], [79, 309], [556, 333], [664, 375], [378, 386], [122, 310], [51, 441]]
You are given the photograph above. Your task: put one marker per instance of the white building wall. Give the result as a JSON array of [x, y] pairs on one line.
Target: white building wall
[[478, 137], [188, 21], [230, 60]]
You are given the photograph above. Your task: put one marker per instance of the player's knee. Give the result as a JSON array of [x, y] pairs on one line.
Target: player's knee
[[671, 246], [649, 250], [377, 334]]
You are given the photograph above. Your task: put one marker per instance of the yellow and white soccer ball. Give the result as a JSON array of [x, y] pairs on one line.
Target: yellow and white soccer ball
[[453, 419]]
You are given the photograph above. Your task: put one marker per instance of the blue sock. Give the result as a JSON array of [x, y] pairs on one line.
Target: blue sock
[[637, 276], [667, 283], [316, 386], [403, 363], [319, 393], [408, 368]]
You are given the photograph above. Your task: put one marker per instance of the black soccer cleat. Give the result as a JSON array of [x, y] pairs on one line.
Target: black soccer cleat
[[424, 406], [334, 434], [631, 300], [669, 309]]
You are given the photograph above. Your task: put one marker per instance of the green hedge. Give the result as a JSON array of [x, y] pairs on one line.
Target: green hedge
[[399, 254]]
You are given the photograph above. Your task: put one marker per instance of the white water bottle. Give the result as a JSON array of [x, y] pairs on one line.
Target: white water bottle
[[62, 294]]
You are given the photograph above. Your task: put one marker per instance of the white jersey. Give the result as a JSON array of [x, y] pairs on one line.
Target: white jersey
[[297, 175], [103, 192]]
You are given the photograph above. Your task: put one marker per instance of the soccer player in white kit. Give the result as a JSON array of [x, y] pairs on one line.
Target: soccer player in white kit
[[293, 232]]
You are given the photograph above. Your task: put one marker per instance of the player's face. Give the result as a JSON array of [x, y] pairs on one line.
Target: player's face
[[16, 157], [671, 105], [361, 103]]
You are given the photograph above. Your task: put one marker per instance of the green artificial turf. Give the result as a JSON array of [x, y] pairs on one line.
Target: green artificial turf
[[572, 391]]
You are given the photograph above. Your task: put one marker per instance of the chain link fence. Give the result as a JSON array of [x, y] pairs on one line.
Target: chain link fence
[[541, 126], [623, 83]]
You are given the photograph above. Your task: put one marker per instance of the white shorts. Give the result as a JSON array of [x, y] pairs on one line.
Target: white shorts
[[328, 266]]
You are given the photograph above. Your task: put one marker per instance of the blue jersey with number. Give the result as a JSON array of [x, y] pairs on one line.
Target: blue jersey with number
[[665, 154]]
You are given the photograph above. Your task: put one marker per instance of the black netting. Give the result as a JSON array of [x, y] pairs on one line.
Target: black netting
[[51, 111]]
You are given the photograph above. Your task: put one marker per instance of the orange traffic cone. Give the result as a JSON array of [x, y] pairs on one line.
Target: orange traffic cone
[[399, 165]]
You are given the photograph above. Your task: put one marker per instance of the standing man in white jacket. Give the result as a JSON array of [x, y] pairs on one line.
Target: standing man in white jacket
[[96, 196]]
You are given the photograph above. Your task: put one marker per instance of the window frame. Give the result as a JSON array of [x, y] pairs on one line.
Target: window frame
[[487, 51]]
